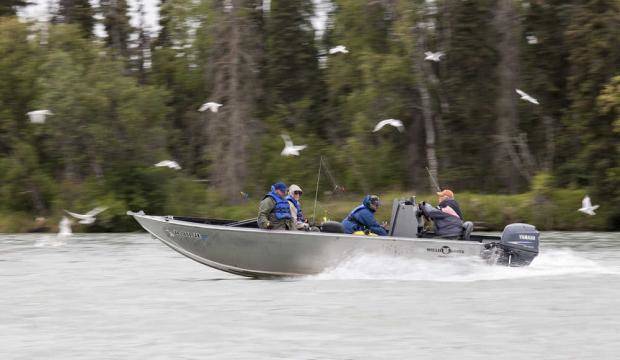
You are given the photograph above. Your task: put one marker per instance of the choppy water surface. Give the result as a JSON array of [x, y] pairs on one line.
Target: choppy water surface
[[127, 296]]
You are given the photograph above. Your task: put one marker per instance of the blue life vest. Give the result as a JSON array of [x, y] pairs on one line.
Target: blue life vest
[[352, 217], [362, 218], [282, 209], [300, 215]]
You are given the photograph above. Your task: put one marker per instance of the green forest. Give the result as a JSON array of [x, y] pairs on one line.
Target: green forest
[[122, 102]]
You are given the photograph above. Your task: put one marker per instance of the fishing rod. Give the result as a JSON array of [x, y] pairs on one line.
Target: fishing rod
[[323, 164], [329, 174], [433, 180], [316, 194]]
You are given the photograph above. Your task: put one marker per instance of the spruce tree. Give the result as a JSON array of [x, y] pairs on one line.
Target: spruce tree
[[291, 73], [544, 70], [19, 61], [507, 162], [609, 111], [470, 81], [142, 46], [594, 59], [163, 37], [179, 55], [368, 84], [117, 27], [78, 12], [10, 7]]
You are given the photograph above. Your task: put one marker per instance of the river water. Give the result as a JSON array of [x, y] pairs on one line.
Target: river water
[[127, 296]]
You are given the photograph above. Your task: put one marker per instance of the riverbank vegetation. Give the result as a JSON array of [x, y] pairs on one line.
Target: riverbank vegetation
[[125, 97], [553, 210]]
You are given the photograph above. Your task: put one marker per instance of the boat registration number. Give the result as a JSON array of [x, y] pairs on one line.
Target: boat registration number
[[181, 234]]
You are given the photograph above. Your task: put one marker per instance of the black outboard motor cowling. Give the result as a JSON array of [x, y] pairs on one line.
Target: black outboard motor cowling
[[519, 244]]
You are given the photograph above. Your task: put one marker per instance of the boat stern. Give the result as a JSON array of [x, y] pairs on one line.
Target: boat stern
[[518, 245]]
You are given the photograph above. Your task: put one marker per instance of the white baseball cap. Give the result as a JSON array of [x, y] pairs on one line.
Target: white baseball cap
[[293, 188]]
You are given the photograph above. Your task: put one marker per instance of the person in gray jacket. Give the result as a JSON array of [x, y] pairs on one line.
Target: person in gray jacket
[[446, 225], [274, 212]]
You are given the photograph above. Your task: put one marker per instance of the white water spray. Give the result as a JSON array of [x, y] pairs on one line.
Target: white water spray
[[558, 262]]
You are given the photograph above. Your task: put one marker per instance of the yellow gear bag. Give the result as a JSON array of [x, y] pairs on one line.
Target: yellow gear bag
[[364, 234]]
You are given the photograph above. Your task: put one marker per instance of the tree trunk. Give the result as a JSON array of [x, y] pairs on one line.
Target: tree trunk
[[37, 202], [550, 142], [143, 45], [235, 84], [425, 97], [415, 162], [506, 23]]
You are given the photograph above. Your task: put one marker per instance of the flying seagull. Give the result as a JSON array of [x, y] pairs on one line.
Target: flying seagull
[[532, 39], [213, 106], [38, 116], [431, 56], [586, 206], [89, 217], [170, 164], [393, 122], [338, 49], [289, 148], [526, 97]]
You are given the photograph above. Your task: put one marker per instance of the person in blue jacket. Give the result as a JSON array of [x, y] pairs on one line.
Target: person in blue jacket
[[362, 218]]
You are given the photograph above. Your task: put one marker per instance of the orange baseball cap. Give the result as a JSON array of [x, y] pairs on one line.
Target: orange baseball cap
[[446, 192]]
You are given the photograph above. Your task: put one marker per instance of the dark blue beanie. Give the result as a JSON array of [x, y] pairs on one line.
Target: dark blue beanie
[[280, 186]]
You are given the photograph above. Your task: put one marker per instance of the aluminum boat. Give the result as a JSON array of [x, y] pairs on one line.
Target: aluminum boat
[[239, 247]]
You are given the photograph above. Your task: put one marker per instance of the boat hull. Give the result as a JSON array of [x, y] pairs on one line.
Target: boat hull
[[268, 253]]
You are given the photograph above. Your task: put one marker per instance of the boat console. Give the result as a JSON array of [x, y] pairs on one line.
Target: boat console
[[405, 220]]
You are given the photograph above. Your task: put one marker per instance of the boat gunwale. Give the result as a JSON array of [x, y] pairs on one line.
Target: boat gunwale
[[293, 233]]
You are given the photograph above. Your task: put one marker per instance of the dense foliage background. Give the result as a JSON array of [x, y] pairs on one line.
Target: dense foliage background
[[129, 100]]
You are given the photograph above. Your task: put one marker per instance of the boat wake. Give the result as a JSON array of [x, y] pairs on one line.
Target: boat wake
[[558, 262], [51, 240]]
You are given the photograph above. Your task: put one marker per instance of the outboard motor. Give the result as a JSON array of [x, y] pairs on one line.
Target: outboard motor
[[519, 245]]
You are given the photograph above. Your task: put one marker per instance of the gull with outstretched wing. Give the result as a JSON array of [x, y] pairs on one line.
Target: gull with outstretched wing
[[526, 97], [338, 49], [586, 206], [213, 106], [434, 56], [392, 122], [38, 116], [169, 164], [289, 148], [89, 217]]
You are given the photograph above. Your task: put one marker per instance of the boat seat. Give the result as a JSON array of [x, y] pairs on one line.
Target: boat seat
[[332, 227], [468, 227]]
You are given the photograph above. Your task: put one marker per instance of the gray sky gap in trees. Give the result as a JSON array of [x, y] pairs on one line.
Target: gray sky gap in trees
[[41, 8]]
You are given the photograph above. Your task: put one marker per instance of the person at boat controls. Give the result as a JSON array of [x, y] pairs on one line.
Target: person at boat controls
[[448, 205], [294, 195], [274, 212], [447, 224], [362, 218]]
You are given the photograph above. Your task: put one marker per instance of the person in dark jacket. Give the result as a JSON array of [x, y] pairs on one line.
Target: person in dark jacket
[[274, 211], [448, 205], [362, 218], [446, 225]]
